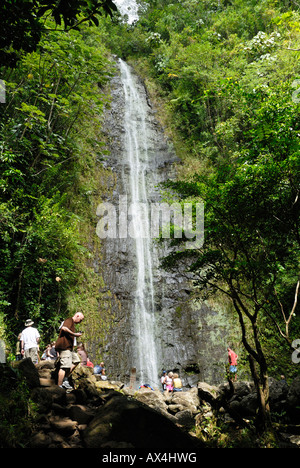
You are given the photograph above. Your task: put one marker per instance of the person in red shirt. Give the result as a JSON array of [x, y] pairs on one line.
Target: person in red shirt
[[232, 359]]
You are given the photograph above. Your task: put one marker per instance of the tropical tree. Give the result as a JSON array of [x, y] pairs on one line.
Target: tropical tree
[[22, 22], [251, 248], [46, 146]]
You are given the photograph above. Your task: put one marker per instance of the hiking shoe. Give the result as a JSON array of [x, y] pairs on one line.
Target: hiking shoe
[[66, 385], [66, 389]]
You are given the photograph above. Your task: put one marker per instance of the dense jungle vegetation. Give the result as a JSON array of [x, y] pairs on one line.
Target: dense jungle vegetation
[[225, 78], [50, 177]]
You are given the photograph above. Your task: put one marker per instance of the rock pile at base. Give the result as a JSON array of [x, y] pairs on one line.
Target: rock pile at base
[[105, 414], [97, 414]]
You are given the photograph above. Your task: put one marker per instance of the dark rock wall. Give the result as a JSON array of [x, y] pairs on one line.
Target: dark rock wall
[[190, 338]]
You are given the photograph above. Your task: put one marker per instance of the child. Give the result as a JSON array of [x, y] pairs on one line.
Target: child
[[169, 382]]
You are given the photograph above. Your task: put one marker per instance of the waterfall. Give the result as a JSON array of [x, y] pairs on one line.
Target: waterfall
[[152, 321], [136, 159], [129, 8]]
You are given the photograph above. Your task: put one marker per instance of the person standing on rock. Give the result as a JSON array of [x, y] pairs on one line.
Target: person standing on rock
[[18, 348], [64, 345], [30, 338], [162, 380], [232, 359], [81, 351]]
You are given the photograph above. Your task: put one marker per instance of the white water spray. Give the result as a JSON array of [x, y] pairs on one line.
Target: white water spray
[[137, 159], [129, 8]]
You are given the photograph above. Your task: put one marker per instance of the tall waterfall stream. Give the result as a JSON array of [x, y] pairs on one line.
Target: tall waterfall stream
[[154, 323], [136, 155], [128, 8], [140, 158]]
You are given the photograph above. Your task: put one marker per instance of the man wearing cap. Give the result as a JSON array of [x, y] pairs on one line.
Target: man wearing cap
[[30, 338]]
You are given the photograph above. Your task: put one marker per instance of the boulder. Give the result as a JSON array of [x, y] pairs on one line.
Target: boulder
[[44, 397], [63, 425], [245, 407], [46, 382], [241, 389], [80, 413], [278, 394], [244, 401], [293, 396], [129, 422], [153, 398], [293, 399], [40, 440], [208, 392], [186, 418], [106, 385], [112, 416], [82, 373], [45, 365], [84, 379], [28, 371], [188, 400]]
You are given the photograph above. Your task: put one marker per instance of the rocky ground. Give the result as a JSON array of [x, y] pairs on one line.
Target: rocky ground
[[108, 415]]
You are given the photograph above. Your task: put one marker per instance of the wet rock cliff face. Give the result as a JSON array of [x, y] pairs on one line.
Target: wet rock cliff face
[[187, 337]]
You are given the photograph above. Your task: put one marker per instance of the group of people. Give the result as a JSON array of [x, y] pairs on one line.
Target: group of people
[[62, 350], [171, 382], [50, 353]]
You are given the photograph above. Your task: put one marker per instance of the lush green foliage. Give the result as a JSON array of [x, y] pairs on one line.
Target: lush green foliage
[[47, 148], [24, 21], [16, 409], [227, 75]]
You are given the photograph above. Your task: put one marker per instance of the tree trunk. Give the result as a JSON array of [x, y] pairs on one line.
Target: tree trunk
[[256, 355], [262, 390]]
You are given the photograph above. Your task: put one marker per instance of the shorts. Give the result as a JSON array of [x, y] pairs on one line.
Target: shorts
[[32, 353], [68, 358], [232, 369]]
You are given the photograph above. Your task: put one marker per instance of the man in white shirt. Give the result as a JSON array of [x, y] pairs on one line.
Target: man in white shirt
[[30, 338]]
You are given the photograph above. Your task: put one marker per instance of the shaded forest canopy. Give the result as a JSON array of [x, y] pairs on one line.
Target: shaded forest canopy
[[225, 74]]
